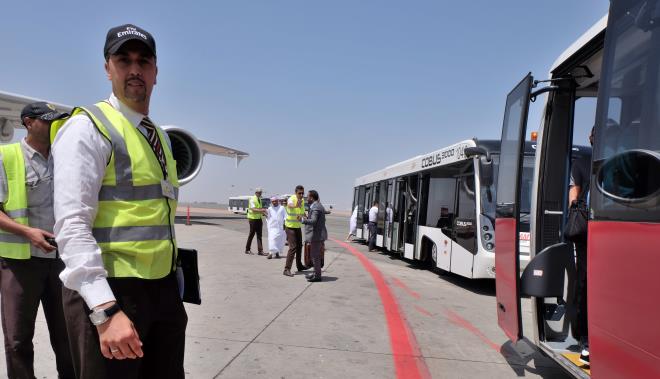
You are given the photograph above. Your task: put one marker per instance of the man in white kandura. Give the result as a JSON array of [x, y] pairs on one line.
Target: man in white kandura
[[275, 216]]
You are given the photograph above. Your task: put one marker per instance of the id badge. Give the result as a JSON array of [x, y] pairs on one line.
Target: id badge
[[168, 189]]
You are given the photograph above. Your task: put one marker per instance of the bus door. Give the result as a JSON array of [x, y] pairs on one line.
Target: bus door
[[464, 236], [623, 250], [399, 215], [507, 210], [360, 213], [436, 231], [422, 253], [410, 216], [389, 214], [380, 222]]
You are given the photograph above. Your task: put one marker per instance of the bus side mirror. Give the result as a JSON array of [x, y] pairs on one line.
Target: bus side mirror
[[486, 171], [631, 178], [485, 164]]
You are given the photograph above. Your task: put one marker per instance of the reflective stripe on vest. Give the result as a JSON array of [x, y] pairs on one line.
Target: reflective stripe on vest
[[134, 224], [293, 213], [13, 162], [254, 200]]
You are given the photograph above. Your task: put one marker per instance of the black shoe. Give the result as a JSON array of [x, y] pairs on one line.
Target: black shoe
[[313, 278], [262, 253], [248, 252], [301, 269], [310, 275], [584, 357]]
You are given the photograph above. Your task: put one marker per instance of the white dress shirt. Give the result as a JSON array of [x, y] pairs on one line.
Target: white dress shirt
[[373, 214], [81, 154]]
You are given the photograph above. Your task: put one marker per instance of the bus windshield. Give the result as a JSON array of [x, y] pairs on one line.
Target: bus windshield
[[488, 195]]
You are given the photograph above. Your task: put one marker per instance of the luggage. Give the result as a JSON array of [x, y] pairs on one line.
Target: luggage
[[576, 225], [307, 256]]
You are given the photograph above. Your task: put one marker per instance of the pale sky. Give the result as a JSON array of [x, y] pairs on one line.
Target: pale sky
[[318, 93]]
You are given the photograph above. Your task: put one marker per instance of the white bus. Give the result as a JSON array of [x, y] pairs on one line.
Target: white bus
[[239, 204], [440, 207]]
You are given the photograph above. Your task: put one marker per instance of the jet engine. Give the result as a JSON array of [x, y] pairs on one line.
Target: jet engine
[[187, 153]]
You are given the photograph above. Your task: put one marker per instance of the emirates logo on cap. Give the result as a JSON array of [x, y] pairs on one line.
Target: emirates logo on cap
[[133, 31]]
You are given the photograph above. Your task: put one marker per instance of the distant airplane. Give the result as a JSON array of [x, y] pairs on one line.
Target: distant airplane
[[188, 151]]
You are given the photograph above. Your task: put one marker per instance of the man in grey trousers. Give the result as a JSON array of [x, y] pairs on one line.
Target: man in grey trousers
[[315, 232]]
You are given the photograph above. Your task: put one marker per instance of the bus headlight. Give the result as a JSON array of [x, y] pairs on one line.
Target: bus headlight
[[485, 228], [488, 236], [490, 246]]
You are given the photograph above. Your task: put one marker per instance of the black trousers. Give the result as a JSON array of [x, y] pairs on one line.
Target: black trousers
[[156, 310], [294, 237], [315, 251], [581, 289], [256, 227], [24, 283], [372, 235]]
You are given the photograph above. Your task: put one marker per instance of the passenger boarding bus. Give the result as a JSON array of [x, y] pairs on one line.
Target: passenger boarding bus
[[239, 204], [440, 207], [619, 70]]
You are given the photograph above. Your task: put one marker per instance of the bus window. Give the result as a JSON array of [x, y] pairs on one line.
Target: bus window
[[441, 210]]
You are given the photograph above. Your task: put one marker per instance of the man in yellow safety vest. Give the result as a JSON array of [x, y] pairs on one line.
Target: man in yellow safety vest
[[30, 265], [255, 214], [295, 210], [115, 200]]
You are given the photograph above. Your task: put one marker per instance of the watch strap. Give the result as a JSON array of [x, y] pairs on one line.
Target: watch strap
[[111, 310]]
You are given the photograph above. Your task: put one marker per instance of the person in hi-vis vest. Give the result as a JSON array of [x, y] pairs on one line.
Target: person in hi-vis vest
[[116, 192], [255, 214], [295, 210], [30, 265]]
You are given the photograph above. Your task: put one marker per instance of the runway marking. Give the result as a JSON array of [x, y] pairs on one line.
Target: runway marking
[[465, 324], [403, 286], [453, 317], [408, 362], [423, 311]]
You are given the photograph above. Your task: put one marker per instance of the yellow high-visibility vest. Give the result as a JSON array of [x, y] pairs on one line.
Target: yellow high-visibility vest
[[16, 207], [254, 202], [134, 224], [293, 213]]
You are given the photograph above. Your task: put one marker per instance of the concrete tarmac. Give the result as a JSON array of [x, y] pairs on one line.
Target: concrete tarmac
[[256, 323]]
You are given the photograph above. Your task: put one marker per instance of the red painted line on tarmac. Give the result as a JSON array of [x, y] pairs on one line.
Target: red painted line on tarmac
[[403, 286], [465, 324], [423, 311], [408, 362]]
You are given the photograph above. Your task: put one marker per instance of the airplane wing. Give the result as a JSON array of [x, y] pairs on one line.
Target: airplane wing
[[12, 104], [212, 148], [10, 112]]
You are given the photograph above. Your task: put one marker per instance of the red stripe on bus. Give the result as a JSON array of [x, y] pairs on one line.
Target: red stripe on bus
[[408, 362]]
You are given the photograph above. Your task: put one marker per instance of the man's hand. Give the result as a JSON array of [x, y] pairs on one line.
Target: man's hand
[[38, 238], [119, 339]]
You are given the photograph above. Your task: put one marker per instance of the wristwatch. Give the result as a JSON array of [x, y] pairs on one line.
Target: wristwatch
[[100, 316]]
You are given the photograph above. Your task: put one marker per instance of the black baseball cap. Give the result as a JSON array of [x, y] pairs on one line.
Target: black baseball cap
[[119, 35], [42, 111]]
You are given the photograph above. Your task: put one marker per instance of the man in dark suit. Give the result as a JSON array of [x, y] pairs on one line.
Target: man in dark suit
[[316, 233]]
